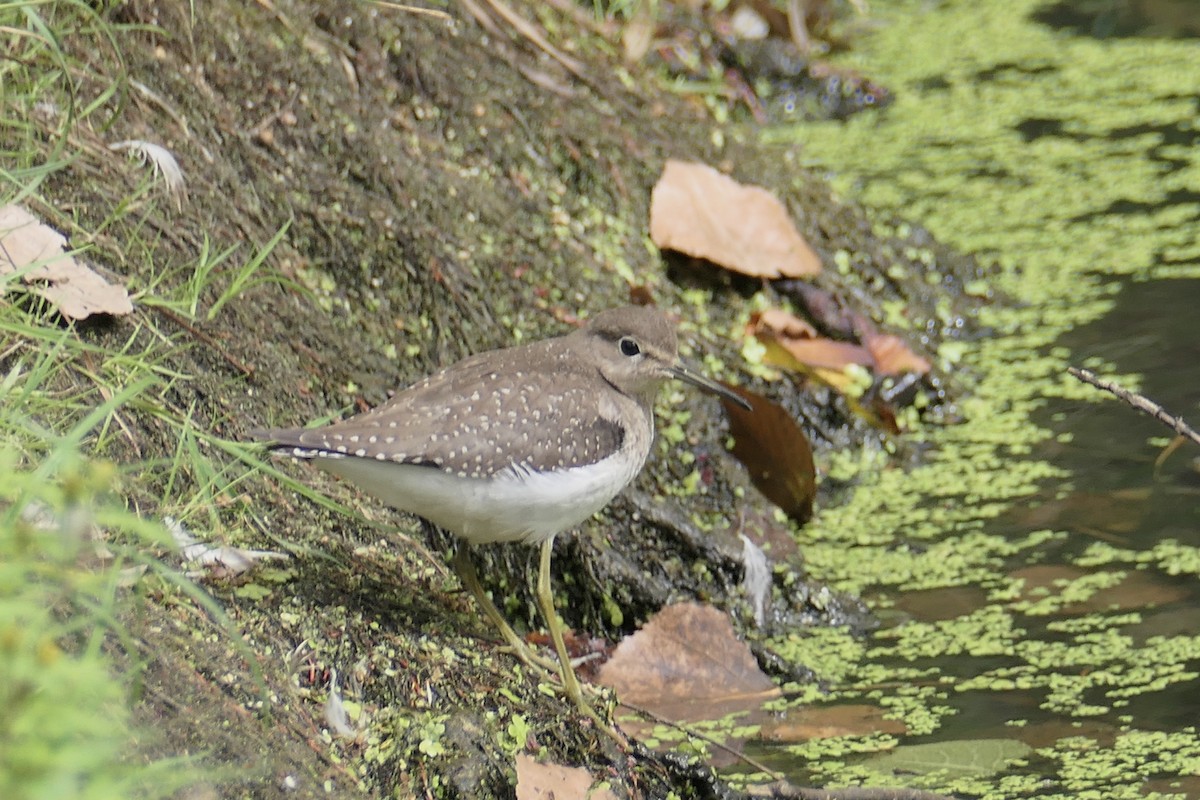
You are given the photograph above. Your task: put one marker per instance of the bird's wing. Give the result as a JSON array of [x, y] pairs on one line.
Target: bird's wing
[[477, 418]]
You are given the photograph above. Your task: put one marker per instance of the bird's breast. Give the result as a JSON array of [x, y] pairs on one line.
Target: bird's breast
[[516, 504]]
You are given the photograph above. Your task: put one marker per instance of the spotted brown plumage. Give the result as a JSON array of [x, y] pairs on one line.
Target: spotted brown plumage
[[518, 408]]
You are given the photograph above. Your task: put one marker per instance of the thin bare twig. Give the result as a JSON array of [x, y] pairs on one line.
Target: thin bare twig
[[246, 370], [648, 714], [429, 12], [782, 788], [1140, 402], [531, 33]]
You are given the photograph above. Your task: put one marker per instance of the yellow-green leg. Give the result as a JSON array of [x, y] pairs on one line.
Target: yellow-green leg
[[570, 683], [465, 570]]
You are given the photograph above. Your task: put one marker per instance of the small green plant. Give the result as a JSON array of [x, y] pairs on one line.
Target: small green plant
[[65, 726], [247, 275], [67, 545], [431, 731], [188, 297]]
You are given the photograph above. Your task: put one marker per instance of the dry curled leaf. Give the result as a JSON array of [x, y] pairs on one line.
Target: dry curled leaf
[[637, 34], [36, 253], [756, 579], [700, 212], [775, 452]]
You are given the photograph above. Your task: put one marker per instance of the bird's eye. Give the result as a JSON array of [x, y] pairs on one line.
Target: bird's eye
[[629, 347]]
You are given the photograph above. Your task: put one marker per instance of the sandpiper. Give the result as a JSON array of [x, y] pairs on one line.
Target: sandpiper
[[514, 445]]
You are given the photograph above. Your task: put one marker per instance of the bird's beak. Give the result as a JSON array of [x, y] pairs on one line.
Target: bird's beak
[[688, 375]]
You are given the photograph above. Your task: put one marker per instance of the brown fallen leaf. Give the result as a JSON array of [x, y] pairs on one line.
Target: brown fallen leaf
[[696, 210], [791, 343], [550, 781], [892, 356], [780, 323], [821, 353], [826, 722], [801, 345], [687, 664], [36, 251], [794, 344], [775, 452]]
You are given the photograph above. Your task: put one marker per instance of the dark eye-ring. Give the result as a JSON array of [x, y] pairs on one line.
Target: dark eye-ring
[[629, 347]]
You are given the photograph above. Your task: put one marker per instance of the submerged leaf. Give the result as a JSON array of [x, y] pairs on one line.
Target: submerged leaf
[[824, 722], [962, 758]]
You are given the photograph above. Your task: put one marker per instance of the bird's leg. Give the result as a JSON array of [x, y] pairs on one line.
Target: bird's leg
[[566, 670], [465, 569]]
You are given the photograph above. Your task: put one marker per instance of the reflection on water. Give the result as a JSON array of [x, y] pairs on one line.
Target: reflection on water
[[1105, 19]]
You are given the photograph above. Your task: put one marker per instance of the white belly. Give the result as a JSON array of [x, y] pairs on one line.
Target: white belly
[[510, 507]]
